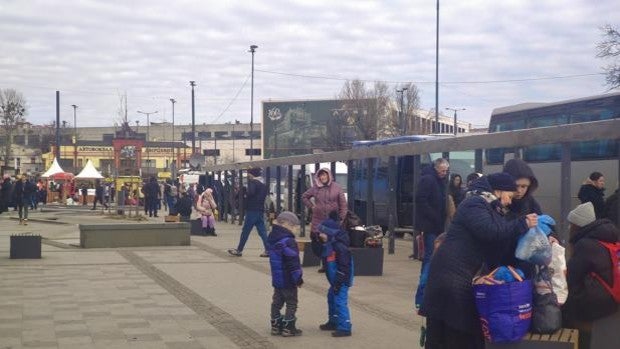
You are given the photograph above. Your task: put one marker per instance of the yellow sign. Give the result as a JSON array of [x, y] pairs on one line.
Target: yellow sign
[[164, 175]]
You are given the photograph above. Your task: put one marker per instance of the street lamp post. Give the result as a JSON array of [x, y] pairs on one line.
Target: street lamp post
[[455, 110], [148, 138], [74, 136], [174, 155], [436, 128], [252, 49], [192, 84], [401, 117]]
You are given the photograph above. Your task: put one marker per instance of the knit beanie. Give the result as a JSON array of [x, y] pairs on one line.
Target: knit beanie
[[582, 215], [502, 181], [288, 217], [256, 171]]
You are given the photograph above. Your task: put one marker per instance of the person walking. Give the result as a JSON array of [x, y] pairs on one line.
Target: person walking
[[22, 194], [593, 190], [286, 274], [98, 195], [431, 214], [478, 226], [254, 202], [323, 197]]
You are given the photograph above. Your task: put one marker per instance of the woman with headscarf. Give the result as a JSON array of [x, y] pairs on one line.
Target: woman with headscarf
[[478, 226]]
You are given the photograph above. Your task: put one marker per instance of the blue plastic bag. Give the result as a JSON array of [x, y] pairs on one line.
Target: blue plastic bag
[[505, 310], [534, 247]]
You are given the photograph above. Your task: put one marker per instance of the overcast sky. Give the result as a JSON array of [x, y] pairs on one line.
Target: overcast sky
[[93, 50]]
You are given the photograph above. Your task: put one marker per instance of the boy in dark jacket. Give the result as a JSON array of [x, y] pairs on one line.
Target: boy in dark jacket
[[286, 274], [184, 207], [339, 271]]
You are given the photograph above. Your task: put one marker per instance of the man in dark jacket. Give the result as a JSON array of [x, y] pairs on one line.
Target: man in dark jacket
[[587, 298], [286, 274], [5, 194], [184, 207], [22, 192], [152, 195], [98, 195], [593, 190], [430, 203], [339, 272], [478, 226], [254, 202]]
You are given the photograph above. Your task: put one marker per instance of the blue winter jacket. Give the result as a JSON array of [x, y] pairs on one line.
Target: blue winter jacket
[[430, 202], [336, 255], [284, 258]]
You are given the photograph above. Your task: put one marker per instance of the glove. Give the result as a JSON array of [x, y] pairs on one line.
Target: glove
[[545, 224], [336, 288]]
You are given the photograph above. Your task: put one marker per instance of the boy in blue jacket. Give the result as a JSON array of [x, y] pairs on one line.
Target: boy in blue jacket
[[286, 274], [339, 271]]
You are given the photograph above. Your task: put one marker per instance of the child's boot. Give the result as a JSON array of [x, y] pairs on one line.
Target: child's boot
[[289, 329], [276, 326]]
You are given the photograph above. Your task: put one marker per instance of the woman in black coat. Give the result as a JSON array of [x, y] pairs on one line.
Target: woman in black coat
[[478, 226]]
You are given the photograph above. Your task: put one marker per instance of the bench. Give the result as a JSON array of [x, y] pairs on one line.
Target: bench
[[367, 261], [134, 235], [565, 338]]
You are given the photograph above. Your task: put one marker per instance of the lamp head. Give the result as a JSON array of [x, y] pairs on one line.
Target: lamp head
[[253, 48]]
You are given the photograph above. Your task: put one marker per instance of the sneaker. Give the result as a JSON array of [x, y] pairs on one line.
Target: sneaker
[[339, 333], [234, 252], [265, 254], [328, 326], [26, 221]]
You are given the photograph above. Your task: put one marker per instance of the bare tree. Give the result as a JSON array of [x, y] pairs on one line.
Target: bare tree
[[13, 110], [122, 109], [609, 49], [401, 116], [367, 106]]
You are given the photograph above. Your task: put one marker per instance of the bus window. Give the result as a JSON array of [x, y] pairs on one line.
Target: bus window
[[544, 152], [496, 156], [593, 149]]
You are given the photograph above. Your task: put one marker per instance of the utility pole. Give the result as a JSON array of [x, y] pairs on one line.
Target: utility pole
[[57, 126], [401, 118], [436, 128], [74, 136], [148, 138], [192, 84], [174, 155], [455, 125], [252, 49]]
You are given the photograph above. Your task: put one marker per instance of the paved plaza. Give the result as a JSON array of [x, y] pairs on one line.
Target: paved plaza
[[179, 297]]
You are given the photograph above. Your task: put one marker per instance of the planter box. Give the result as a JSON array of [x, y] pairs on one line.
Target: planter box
[[25, 246]]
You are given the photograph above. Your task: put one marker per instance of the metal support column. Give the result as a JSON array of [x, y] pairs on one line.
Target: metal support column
[[565, 193], [369, 192], [414, 188], [300, 191], [477, 161], [242, 192], [392, 210], [332, 168], [350, 185], [278, 189], [289, 184]]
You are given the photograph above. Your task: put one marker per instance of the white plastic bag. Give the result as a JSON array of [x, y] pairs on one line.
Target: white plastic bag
[[534, 247], [558, 280]]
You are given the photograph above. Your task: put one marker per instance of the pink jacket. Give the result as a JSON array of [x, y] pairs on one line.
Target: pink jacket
[[206, 204], [327, 198]]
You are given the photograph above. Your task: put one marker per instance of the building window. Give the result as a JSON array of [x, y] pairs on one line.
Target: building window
[[33, 160], [211, 152], [252, 152]]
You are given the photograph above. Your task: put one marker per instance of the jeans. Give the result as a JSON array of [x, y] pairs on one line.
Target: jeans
[[429, 245], [252, 219], [283, 296], [23, 210], [338, 309]]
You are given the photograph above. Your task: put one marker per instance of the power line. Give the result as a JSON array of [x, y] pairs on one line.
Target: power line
[[326, 77], [233, 99]]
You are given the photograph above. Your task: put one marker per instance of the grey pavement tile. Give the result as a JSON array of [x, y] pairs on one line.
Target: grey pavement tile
[[133, 324], [205, 333], [27, 317], [72, 333], [146, 305], [111, 343], [75, 340], [10, 332], [11, 343], [184, 345], [95, 314], [156, 317], [39, 343], [74, 326], [108, 335], [143, 337]]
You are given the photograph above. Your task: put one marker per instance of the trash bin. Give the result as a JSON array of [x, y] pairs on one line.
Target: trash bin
[[25, 246]]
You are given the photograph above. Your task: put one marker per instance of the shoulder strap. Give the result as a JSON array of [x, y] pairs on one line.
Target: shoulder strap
[[614, 252]]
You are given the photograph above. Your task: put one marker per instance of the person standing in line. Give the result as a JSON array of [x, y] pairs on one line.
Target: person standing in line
[[98, 195], [339, 272], [478, 226], [431, 214], [106, 194], [151, 196], [593, 190], [84, 192], [254, 202], [323, 197], [286, 274], [5, 193], [457, 193], [22, 194]]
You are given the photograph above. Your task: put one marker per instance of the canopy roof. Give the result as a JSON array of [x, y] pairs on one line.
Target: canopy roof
[[62, 176], [89, 172], [55, 168]]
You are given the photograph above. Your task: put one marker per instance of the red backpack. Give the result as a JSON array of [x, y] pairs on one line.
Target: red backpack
[[614, 251]]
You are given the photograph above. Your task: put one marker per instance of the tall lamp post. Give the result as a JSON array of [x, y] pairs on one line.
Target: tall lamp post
[[455, 110], [401, 118], [174, 155], [252, 50], [193, 84], [148, 137], [436, 128], [74, 136]]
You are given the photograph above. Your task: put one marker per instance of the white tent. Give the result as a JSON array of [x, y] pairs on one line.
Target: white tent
[[55, 168], [89, 172]]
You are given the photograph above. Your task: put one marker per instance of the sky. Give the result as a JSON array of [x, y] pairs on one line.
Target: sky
[[94, 51]]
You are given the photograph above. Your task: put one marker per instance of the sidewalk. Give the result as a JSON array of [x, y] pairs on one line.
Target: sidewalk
[[180, 297]]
